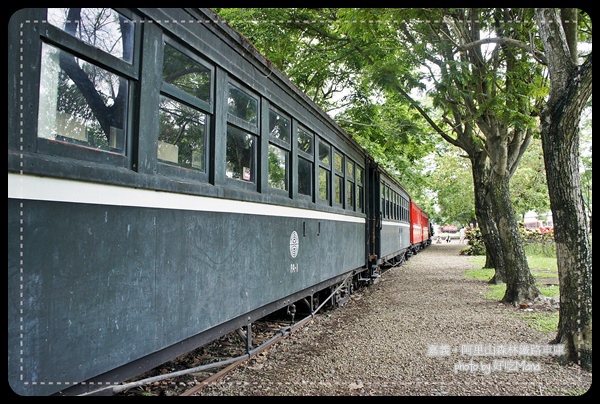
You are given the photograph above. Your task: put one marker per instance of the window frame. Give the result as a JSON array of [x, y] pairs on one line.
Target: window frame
[[183, 97], [247, 127], [65, 42], [327, 167], [306, 156], [281, 144], [337, 175], [359, 197], [350, 181]]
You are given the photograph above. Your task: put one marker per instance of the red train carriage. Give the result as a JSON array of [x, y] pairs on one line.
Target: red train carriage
[[420, 236]]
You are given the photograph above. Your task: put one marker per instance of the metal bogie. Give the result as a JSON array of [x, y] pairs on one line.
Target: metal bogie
[[341, 293]]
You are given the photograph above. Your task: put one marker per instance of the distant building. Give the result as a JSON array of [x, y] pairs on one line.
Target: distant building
[[449, 228], [534, 220]]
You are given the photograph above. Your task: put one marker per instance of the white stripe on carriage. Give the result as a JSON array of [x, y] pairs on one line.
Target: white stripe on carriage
[[28, 187], [399, 224]]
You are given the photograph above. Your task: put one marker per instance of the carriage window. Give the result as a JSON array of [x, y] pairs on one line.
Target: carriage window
[[278, 164], [339, 183], [305, 142], [305, 163], [68, 84], [240, 154], [385, 200], [279, 150], [323, 184], [390, 203], [382, 207], [350, 192], [242, 105], [183, 126], [338, 162], [182, 134], [186, 74], [305, 177], [242, 137], [359, 190], [338, 166], [324, 172], [102, 28], [324, 153], [279, 127]]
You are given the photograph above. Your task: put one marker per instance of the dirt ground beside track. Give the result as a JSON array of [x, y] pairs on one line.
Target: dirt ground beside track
[[423, 329]]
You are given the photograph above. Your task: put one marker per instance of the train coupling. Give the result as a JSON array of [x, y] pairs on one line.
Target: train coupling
[[375, 275], [372, 278]]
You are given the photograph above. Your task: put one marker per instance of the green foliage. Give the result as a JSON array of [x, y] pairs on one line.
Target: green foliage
[[539, 247], [335, 56], [358, 64], [528, 187], [451, 176], [475, 242], [303, 44]]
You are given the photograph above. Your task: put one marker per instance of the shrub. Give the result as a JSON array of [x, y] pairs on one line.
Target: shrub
[[475, 242], [537, 242]]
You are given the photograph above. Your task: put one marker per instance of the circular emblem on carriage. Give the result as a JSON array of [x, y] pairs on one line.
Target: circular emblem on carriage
[[294, 244]]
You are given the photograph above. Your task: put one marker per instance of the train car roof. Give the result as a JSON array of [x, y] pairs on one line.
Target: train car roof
[[221, 26], [240, 39]]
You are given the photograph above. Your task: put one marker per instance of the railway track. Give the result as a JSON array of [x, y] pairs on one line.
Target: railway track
[[191, 372]]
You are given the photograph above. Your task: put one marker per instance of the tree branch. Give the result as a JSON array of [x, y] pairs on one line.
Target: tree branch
[[539, 56]]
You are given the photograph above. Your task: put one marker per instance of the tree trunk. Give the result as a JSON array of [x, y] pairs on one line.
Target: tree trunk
[[571, 87], [487, 225], [574, 257], [520, 284]]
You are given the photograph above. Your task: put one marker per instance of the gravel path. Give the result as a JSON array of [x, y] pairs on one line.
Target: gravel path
[[424, 329]]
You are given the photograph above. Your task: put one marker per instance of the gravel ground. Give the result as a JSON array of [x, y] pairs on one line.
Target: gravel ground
[[424, 329]]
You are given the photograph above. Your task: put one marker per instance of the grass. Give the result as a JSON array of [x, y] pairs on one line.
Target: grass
[[545, 322], [541, 267], [539, 263], [549, 290], [536, 263], [568, 392], [485, 274]]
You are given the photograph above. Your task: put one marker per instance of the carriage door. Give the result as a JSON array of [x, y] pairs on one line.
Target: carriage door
[[374, 212]]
